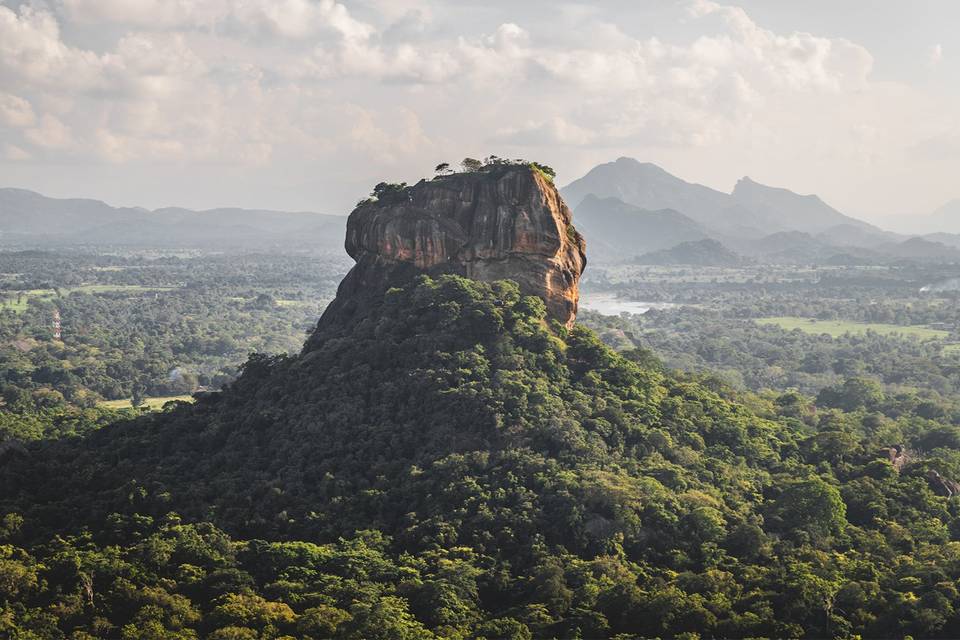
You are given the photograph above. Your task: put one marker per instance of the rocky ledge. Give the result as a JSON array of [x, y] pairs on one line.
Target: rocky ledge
[[502, 222]]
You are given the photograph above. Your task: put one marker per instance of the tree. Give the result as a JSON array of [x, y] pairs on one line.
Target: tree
[[471, 165], [856, 393], [386, 190], [546, 170], [812, 506], [443, 167], [138, 395]]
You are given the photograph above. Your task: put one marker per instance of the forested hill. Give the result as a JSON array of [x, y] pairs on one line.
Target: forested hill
[[455, 467]]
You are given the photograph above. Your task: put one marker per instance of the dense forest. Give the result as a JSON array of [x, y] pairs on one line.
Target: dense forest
[[454, 467], [139, 326], [747, 354]]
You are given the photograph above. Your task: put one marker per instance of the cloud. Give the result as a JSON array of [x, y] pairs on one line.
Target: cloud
[[934, 55], [284, 18], [15, 111], [50, 133], [553, 131], [167, 89], [14, 153], [375, 86], [31, 51], [388, 139]]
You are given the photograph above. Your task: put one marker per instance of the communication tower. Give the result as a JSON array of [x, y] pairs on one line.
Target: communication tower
[[57, 329]]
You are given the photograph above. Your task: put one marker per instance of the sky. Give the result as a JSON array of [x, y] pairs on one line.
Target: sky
[[305, 104]]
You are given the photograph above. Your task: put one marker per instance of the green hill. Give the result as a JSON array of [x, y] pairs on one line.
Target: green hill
[[450, 466], [705, 253]]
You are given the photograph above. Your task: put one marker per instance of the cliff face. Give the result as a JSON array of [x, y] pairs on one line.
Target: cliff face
[[501, 223]]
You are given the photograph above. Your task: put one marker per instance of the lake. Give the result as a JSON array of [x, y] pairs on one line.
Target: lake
[[610, 305]]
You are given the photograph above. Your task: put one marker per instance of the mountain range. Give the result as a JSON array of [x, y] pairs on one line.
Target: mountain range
[[629, 208], [752, 208], [625, 208], [704, 253], [945, 218], [620, 230], [30, 218]]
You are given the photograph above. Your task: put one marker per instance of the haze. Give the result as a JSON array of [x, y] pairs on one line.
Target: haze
[[306, 104]]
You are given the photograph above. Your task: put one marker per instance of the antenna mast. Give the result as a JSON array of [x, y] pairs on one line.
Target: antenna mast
[[57, 329]]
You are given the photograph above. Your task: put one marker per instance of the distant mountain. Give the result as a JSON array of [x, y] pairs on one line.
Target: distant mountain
[[615, 229], [788, 246], [798, 247], [751, 210], [774, 207], [30, 218], [949, 239], [945, 219], [647, 186], [25, 213], [923, 249], [849, 235], [705, 253]]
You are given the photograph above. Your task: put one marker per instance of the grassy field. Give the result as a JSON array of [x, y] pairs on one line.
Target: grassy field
[[152, 403], [840, 327], [297, 303], [17, 300], [9, 298], [17, 306], [114, 288]]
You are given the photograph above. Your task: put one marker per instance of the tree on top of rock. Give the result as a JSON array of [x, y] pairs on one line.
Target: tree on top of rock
[[471, 165]]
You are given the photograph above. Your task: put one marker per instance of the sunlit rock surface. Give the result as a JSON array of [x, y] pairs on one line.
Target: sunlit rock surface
[[500, 223]]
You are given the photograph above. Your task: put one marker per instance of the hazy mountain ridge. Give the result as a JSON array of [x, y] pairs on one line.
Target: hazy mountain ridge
[[625, 208], [616, 229], [27, 217], [706, 253], [750, 209], [756, 220], [647, 186], [943, 219]]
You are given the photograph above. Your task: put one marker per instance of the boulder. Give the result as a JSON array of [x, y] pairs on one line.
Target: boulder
[[502, 222]]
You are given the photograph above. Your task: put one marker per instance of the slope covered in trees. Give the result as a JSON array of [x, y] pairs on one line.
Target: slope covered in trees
[[451, 466]]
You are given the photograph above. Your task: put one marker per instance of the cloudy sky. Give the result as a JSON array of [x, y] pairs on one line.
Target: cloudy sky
[[304, 104]]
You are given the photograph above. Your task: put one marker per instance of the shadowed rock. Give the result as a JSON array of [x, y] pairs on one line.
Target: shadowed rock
[[505, 222]]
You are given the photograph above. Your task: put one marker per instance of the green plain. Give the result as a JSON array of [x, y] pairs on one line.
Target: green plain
[[837, 328], [9, 299], [152, 403]]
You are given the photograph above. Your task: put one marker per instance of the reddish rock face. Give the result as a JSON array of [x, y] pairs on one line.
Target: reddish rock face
[[502, 223]]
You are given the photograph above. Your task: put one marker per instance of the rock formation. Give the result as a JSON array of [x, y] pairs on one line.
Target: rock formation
[[942, 486], [503, 222]]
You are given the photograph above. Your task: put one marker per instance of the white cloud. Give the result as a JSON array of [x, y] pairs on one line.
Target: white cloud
[[934, 55], [388, 141], [14, 153], [15, 111], [275, 84], [553, 131], [50, 133], [285, 18], [31, 51]]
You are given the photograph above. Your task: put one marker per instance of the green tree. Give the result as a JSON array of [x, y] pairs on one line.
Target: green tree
[[471, 165], [812, 506]]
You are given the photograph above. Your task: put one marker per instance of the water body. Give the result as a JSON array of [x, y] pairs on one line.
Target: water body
[[610, 305]]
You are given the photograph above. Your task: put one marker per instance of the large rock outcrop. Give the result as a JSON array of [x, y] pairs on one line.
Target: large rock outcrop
[[503, 222]]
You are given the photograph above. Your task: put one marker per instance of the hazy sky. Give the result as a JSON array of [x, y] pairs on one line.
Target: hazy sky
[[305, 104]]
